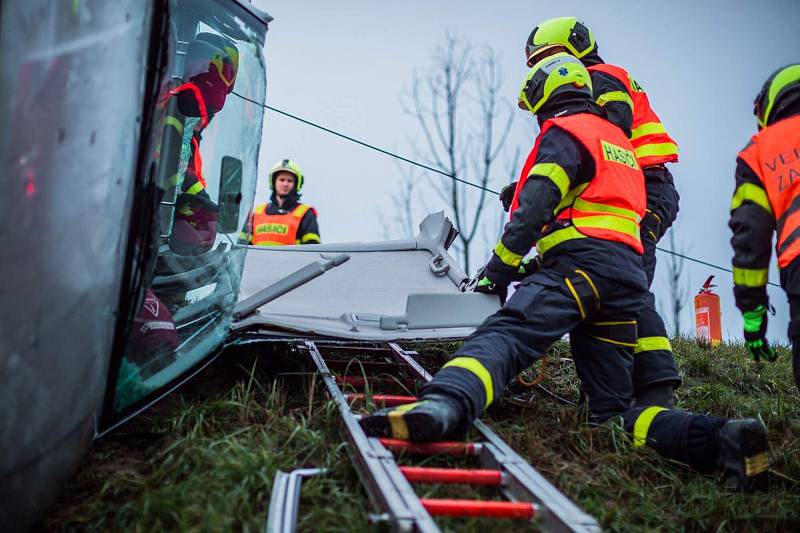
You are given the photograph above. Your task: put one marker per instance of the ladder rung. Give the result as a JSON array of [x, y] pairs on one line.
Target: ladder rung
[[433, 448], [385, 399], [418, 474], [486, 508]]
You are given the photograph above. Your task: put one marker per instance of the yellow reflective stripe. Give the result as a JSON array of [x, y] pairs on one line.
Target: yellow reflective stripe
[[507, 256], [753, 193], [593, 286], [756, 464], [398, 424], [615, 96], [619, 224], [476, 367], [195, 189], [642, 425], [650, 344], [260, 208], [301, 210], [310, 237], [611, 223], [611, 341], [577, 298], [269, 243], [570, 197], [750, 277], [556, 238], [175, 123], [583, 205], [647, 150], [648, 128], [555, 172]]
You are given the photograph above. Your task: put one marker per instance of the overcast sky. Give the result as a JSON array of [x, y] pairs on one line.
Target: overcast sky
[[345, 64]]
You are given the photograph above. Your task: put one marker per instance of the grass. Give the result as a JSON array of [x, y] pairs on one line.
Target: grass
[[205, 459]]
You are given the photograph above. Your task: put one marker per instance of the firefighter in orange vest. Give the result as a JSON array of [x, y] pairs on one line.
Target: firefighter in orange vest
[[284, 220], [581, 200], [624, 102], [767, 199]]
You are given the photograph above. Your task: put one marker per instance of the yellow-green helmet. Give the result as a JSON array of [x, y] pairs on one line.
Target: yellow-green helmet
[[779, 91], [552, 76], [562, 31], [286, 165]]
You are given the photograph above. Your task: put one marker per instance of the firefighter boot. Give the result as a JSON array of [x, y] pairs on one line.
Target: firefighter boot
[[433, 418], [743, 454]]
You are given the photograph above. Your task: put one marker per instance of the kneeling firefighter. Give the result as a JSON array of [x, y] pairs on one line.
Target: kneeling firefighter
[[625, 103], [585, 188], [767, 199], [284, 220]]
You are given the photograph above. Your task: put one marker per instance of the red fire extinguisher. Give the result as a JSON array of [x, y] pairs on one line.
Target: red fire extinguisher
[[707, 314]]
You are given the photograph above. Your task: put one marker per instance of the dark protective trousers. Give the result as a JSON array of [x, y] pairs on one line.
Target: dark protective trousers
[[653, 362], [600, 316]]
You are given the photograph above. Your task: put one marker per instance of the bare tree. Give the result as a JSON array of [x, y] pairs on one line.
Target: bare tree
[[678, 289], [464, 124]]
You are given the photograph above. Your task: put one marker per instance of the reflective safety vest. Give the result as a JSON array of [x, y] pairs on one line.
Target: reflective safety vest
[[774, 155], [651, 142], [277, 230], [611, 205]]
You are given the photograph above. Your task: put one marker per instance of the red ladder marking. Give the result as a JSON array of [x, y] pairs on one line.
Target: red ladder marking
[[433, 448], [386, 399], [493, 509], [417, 474]]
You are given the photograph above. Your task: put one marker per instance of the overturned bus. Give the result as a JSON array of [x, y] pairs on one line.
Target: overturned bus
[[130, 135]]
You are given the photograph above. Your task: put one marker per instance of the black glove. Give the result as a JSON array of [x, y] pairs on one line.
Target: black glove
[[507, 195], [755, 334]]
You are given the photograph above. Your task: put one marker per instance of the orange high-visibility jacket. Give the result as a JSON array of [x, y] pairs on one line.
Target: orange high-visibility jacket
[[651, 142], [277, 230], [774, 155], [608, 207]]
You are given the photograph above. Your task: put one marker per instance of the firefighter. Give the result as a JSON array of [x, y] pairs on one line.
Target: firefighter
[[284, 220], [766, 198], [580, 200], [212, 65], [625, 103]]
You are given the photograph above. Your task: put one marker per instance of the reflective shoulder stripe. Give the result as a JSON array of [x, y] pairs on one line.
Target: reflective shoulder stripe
[[175, 123], [753, 193], [556, 238], [656, 149], [260, 208], [648, 128], [642, 425], [476, 367], [750, 277], [555, 172], [507, 256], [651, 344], [615, 96], [309, 237], [583, 205], [195, 189], [301, 210]]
